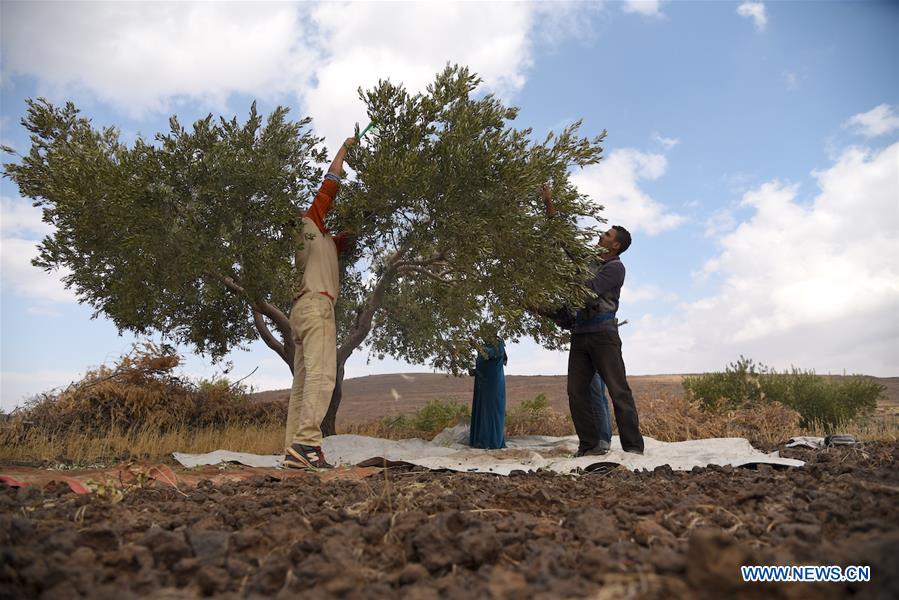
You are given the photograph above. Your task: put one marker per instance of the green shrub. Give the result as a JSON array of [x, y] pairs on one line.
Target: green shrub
[[535, 406], [737, 386], [439, 414], [826, 401], [427, 421], [823, 401], [395, 424]]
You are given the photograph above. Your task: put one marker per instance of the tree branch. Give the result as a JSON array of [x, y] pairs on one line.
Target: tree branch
[[267, 309], [362, 324], [438, 277], [270, 340], [228, 283], [281, 321], [438, 259]]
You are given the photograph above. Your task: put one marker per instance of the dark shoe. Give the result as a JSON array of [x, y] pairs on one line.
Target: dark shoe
[[598, 450], [604, 446], [310, 458], [634, 451]]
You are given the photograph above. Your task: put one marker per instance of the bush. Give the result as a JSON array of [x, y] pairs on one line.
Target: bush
[[738, 386], [439, 414], [823, 401], [140, 392], [426, 422], [535, 406]]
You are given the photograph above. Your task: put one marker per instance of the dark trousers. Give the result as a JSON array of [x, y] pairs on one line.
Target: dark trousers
[[593, 353]]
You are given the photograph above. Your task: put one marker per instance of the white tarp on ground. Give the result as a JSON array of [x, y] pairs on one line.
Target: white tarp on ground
[[525, 453]]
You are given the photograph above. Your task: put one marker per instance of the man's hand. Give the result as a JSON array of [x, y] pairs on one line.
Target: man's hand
[[337, 164]]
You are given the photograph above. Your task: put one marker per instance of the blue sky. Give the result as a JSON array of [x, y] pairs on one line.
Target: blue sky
[[753, 151]]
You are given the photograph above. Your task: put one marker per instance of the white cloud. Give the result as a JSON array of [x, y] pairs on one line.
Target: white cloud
[[648, 8], [632, 294], [43, 310], [409, 43], [756, 12], [815, 285], [19, 386], [6, 124], [719, 222], [141, 56], [23, 278], [614, 183], [665, 142], [19, 218], [528, 358], [791, 80], [18, 222], [880, 120], [556, 23], [146, 56]]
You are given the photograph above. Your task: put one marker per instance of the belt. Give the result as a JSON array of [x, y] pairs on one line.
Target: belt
[[326, 294], [581, 321]]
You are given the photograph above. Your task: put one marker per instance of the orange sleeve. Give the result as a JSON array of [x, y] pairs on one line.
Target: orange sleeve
[[322, 203]]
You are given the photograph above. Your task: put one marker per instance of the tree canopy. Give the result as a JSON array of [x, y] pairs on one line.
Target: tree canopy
[[152, 232], [447, 197], [192, 234]]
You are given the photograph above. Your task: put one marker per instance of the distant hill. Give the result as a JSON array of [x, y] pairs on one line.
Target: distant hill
[[369, 398]]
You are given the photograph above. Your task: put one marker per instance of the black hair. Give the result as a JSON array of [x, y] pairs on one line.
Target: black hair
[[623, 237]]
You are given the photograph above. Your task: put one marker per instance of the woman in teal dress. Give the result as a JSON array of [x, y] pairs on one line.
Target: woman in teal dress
[[488, 408]]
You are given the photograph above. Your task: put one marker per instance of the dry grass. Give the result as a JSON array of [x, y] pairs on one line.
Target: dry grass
[[387, 428], [144, 442], [666, 419], [538, 422], [674, 419], [139, 409], [877, 427]]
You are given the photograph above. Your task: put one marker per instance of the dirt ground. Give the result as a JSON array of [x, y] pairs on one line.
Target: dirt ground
[[412, 534]]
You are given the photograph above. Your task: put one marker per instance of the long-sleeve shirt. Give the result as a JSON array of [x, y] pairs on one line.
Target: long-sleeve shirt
[[606, 283], [317, 251]]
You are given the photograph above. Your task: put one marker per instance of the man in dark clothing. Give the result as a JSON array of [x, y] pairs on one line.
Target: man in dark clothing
[[596, 348]]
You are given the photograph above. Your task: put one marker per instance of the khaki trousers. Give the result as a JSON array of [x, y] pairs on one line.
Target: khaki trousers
[[314, 368]]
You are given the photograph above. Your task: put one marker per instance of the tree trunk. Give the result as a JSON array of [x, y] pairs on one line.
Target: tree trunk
[[357, 334]]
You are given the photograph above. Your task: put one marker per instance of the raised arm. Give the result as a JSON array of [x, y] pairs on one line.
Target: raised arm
[[337, 164], [325, 196]]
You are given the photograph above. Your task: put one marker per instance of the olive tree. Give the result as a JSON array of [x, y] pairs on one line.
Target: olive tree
[[192, 234]]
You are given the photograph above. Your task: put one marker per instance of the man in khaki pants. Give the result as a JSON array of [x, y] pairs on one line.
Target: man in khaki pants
[[313, 326]]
